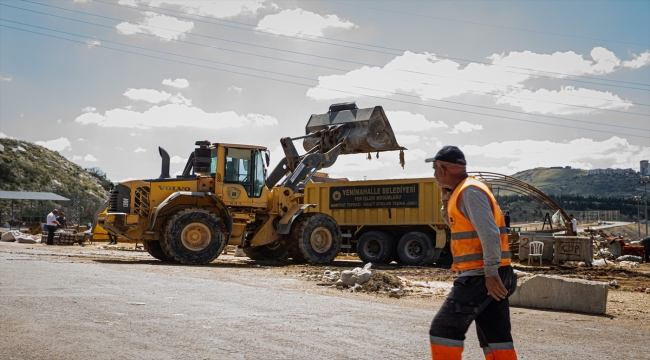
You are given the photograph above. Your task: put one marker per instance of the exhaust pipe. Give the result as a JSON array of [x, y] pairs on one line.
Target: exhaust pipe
[[164, 173]]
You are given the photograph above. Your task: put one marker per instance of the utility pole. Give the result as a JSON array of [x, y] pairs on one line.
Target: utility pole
[[638, 213], [645, 182]]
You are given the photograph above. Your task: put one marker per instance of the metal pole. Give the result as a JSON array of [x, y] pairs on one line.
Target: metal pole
[[645, 187], [638, 214]]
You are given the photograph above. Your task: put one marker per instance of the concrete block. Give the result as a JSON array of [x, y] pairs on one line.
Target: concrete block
[[558, 293]]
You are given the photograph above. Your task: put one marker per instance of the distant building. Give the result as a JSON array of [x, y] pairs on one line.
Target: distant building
[[567, 167], [645, 169], [555, 167], [611, 171]]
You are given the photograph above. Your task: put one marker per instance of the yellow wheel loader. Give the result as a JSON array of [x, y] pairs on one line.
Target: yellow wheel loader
[[225, 196]]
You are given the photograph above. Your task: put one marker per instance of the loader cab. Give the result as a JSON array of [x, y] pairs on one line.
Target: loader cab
[[242, 171]]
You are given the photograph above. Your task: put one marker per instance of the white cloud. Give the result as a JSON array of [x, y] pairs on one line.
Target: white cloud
[[301, 22], [5, 79], [177, 160], [128, 2], [81, 139], [89, 158], [134, 134], [155, 96], [465, 127], [560, 102], [167, 116], [219, 9], [582, 153], [89, 109], [77, 158], [238, 90], [403, 121], [432, 78], [178, 83], [59, 144], [638, 61], [58, 121], [407, 139], [165, 27], [92, 42], [139, 150], [5, 136]]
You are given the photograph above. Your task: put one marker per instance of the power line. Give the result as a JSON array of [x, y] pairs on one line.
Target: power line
[[335, 90], [310, 79], [355, 48], [317, 56], [483, 24], [372, 45]]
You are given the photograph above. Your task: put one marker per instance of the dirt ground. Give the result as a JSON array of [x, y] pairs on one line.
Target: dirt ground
[[386, 314]]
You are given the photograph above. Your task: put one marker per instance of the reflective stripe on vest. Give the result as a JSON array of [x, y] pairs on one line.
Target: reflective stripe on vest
[[466, 246]]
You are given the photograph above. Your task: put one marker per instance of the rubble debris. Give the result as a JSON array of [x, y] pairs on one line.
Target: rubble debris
[[15, 235], [356, 276]]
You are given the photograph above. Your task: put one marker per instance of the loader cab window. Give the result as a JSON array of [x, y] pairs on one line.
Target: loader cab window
[[245, 167], [213, 162]]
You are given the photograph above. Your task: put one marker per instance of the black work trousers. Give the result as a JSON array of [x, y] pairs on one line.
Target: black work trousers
[[467, 302], [50, 234]]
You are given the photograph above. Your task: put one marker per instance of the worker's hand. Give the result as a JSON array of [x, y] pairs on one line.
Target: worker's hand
[[495, 288]]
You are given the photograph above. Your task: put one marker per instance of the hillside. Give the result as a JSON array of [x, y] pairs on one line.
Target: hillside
[[29, 167], [577, 182]]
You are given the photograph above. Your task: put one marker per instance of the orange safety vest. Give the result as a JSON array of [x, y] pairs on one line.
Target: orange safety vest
[[465, 243]]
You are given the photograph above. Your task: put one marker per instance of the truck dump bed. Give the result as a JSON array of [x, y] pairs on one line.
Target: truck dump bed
[[399, 202]]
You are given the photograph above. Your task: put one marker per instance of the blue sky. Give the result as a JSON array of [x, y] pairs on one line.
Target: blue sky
[[516, 85]]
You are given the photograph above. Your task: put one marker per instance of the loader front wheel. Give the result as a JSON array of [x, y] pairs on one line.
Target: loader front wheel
[[154, 249], [314, 238], [272, 251], [194, 236], [376, 247]]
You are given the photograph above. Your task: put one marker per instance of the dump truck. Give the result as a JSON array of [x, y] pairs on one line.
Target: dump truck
[[386, 220], [225, 195]]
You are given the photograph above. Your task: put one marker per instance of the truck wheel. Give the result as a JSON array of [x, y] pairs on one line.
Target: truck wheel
[[193, 236], [416, 248], [376, 247], [272, 251], [314, 238], [154, 249]]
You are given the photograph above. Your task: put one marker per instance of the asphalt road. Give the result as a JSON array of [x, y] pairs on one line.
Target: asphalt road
[[99, 305]]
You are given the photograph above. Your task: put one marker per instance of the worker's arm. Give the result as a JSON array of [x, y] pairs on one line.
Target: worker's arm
[[475, 204]]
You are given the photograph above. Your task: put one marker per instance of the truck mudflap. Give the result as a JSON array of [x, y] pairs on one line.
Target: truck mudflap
[[284, 226], [220, 205]]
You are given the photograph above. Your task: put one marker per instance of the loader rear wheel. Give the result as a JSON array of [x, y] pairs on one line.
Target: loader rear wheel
[[417, 248], [272, 251], [193, 236], [376, 247], [154, 249], [314, 238]]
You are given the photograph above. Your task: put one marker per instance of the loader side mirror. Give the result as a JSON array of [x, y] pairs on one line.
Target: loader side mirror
[[267, 157]]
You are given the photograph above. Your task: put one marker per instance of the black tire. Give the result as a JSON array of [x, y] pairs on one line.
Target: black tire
[[446, 258], [154, 249], [272, 251], [416, 248], [193, 236], [376, 247], [314, 238]]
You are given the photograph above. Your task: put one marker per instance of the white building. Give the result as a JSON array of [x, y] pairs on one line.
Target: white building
[[645, 169]]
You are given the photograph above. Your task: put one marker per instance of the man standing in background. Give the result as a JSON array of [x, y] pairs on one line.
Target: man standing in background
[[52, 224], [574, 224], [63, 223], [479, 245]]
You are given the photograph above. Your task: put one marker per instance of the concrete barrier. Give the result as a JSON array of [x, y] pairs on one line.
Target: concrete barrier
[[558, 293]]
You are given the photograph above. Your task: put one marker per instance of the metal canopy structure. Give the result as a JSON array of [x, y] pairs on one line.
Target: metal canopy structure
[[31, 195], [508, 183]]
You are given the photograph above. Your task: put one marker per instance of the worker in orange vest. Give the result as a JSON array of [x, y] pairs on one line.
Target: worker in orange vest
[[479, 245]]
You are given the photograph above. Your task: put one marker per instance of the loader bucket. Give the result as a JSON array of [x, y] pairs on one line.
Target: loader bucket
[[360, 130]]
